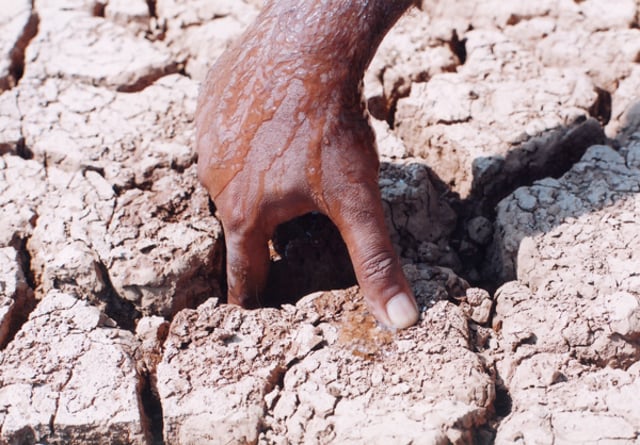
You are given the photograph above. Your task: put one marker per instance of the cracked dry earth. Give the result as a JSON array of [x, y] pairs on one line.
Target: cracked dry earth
[[510, 139]]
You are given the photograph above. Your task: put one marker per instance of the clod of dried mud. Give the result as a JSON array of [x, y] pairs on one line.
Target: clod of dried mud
[[69, 376], [322, 370], [568, 345]]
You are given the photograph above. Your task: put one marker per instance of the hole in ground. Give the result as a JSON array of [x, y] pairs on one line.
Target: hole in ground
[[503, 403], [311, 257], [308, 255]]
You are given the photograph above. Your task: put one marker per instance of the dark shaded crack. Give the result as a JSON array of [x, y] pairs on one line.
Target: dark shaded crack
[[393, 106], [24, 257], [52, 419], [453, 121], [122, 311], [16, 148], [182, 69], [143, 186], [152, 408], [383, 107], [503, 403], [145, 81], [458, 47], [276, 377], [274, 380], [99, 9], [17, 54], [147, 359], [601, 109], [22, 150], [550, 154], [151, 4], [24, 302]]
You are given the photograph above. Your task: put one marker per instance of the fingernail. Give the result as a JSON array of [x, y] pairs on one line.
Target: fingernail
[[402, 311]]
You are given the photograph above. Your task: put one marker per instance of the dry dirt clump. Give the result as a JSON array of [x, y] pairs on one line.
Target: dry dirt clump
[[321, 371], [509, 134], [69, 376], [569, 328]]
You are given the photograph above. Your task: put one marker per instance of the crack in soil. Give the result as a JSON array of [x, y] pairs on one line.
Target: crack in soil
[[145, 81], [17, 54], [52, 420], [122, 311], [151, 4], [25, 301], [151, 407], [458, 47], [22, 150], [147, 359]]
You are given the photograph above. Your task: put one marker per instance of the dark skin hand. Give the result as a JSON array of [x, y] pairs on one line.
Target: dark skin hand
[[282, 130]]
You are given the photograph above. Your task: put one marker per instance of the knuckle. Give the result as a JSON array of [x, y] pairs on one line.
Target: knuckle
[[378, 266]]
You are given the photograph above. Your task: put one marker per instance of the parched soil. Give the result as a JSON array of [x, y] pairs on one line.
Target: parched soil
[[509, 134]]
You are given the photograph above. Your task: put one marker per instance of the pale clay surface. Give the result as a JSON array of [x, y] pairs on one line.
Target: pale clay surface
[[110, 259]]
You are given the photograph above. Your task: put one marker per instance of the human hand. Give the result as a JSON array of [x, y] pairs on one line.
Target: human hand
[[282, 130]]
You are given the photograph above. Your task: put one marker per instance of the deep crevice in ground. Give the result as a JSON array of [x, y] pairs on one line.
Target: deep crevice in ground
[[25, 301], [151, 4], [17, 54], [152, 408], [503, 403], [24, 259], [601, 109], [309, 255], [551, 154], [150, 402], [122, 311]]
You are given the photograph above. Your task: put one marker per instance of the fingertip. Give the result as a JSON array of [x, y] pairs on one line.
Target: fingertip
[[402, 311]]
